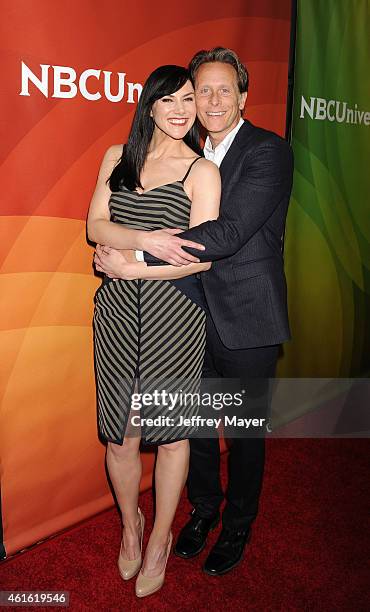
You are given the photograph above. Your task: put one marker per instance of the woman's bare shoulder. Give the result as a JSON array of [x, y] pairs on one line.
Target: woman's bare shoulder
[[205, 168], [205, 181], [113, 153], [110, 160]]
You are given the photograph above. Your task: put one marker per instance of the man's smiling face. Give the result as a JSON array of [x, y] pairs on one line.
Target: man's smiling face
[[218, 99]]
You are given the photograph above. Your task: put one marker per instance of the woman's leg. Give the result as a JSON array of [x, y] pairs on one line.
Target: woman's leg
[[124, 467], [170, 477]]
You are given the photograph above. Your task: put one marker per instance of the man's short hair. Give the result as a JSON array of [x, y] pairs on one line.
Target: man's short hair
[[225, 56]]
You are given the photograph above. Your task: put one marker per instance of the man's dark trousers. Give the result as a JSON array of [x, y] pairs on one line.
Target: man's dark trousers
[[246, 455]]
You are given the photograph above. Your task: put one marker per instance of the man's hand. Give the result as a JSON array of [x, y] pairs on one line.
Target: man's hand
[[113, 263], [165, 245], [109, 261]]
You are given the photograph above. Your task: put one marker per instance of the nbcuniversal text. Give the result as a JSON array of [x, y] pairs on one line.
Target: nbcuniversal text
[[92, 84]]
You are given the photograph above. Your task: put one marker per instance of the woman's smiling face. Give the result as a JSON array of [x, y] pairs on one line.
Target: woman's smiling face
[[175, 114]]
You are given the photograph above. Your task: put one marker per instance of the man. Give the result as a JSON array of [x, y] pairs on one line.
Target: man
[[245, 291]]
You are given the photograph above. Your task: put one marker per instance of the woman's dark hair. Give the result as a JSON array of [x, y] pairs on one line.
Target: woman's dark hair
[[163, 81]]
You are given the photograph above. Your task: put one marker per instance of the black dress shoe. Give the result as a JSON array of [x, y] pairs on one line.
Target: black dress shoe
[[227, 552], [193, 537]]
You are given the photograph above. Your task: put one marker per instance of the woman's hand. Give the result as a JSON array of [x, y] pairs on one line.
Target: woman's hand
[[113, 263]]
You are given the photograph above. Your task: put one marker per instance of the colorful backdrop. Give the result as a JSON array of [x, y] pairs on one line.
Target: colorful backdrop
[[71, 72], [327, 246]]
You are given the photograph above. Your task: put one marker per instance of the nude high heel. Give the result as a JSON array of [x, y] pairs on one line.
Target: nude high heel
[[128, 568], [146, 585]]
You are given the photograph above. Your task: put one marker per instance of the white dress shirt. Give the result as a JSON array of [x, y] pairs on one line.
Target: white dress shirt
[[215, 155], [218, 153]]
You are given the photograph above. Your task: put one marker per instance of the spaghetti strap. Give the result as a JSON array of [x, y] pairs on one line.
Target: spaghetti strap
[[188, 170]]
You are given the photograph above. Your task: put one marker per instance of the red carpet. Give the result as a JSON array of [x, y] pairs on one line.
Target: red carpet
[[309, 548]]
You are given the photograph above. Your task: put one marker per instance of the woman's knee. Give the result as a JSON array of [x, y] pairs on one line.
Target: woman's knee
[[181, 446], [129, 448]]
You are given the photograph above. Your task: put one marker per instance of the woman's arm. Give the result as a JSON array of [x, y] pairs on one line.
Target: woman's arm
[[99, 227], [204, 190], [113, 263]]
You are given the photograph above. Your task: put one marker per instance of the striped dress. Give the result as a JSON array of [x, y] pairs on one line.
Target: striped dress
[[149, 335]]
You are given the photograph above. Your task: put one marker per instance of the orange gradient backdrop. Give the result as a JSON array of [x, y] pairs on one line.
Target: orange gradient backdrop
[[52, 464]]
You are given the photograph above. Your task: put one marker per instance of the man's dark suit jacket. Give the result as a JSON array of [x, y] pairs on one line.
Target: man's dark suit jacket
[[246, 287]]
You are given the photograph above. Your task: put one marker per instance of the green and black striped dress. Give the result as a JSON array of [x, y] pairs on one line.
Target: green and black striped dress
[[149, 335]]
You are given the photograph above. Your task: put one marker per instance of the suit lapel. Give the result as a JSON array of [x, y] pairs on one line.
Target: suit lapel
[[241, 140]]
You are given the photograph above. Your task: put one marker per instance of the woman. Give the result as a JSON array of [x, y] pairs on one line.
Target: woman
[[150, 326]]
